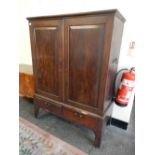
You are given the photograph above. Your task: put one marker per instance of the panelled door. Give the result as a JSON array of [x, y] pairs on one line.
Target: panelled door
[[46, 38], [85, 61]]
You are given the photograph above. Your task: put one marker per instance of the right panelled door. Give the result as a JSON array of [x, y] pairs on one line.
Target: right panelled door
[[85, 62]]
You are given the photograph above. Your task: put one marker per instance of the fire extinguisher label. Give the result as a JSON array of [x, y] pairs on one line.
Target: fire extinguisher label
[[127, 83], [128, 94]]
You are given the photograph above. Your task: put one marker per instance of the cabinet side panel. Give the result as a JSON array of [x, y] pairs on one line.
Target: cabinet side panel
[[113, 60]]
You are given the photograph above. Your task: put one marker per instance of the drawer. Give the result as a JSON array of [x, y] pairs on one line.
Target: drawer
[[79, 117], [48, 106]]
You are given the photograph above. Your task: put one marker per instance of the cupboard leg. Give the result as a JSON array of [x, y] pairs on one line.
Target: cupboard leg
[[36, 111], [108, 121], [98, 133], [98, 137]]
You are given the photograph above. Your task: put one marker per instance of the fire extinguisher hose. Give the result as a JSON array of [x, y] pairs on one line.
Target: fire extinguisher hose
[[116, 80]]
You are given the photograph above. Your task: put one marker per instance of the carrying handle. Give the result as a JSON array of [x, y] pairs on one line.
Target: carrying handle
[[115, 61]]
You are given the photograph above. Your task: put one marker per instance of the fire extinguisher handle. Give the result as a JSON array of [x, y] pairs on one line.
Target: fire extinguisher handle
[[132, 69]]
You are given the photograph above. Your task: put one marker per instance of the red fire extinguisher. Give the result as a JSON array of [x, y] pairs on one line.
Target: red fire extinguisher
[[126, 87]]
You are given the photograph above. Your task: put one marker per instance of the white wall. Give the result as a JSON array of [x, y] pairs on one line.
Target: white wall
[[49, 7]]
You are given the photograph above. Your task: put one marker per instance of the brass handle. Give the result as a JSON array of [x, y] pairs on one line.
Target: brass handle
[[78, 114], [115, 61]]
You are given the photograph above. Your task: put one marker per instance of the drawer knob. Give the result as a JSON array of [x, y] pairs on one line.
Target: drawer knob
[[46, 103], [81, 116]]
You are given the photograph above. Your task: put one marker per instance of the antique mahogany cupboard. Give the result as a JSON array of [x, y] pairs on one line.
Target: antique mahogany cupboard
[[75, 58]]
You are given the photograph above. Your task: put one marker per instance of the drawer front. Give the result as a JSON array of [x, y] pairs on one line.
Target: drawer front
[[48, 106], [79, 117]]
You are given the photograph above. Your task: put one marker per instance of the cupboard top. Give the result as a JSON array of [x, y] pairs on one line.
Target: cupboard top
[[101, 12]]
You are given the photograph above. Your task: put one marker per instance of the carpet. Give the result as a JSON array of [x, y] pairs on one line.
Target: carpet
[[35, 141]]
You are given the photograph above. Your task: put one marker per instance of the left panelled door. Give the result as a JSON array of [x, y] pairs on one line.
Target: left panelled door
[[46, 44]]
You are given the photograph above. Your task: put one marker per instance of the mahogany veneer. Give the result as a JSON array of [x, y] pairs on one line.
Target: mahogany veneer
[[75, 59]]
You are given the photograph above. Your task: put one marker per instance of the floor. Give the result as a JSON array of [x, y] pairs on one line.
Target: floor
[[116, 141]]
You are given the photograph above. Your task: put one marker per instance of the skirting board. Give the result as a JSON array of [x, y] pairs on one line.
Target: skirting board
[[118, 123]]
